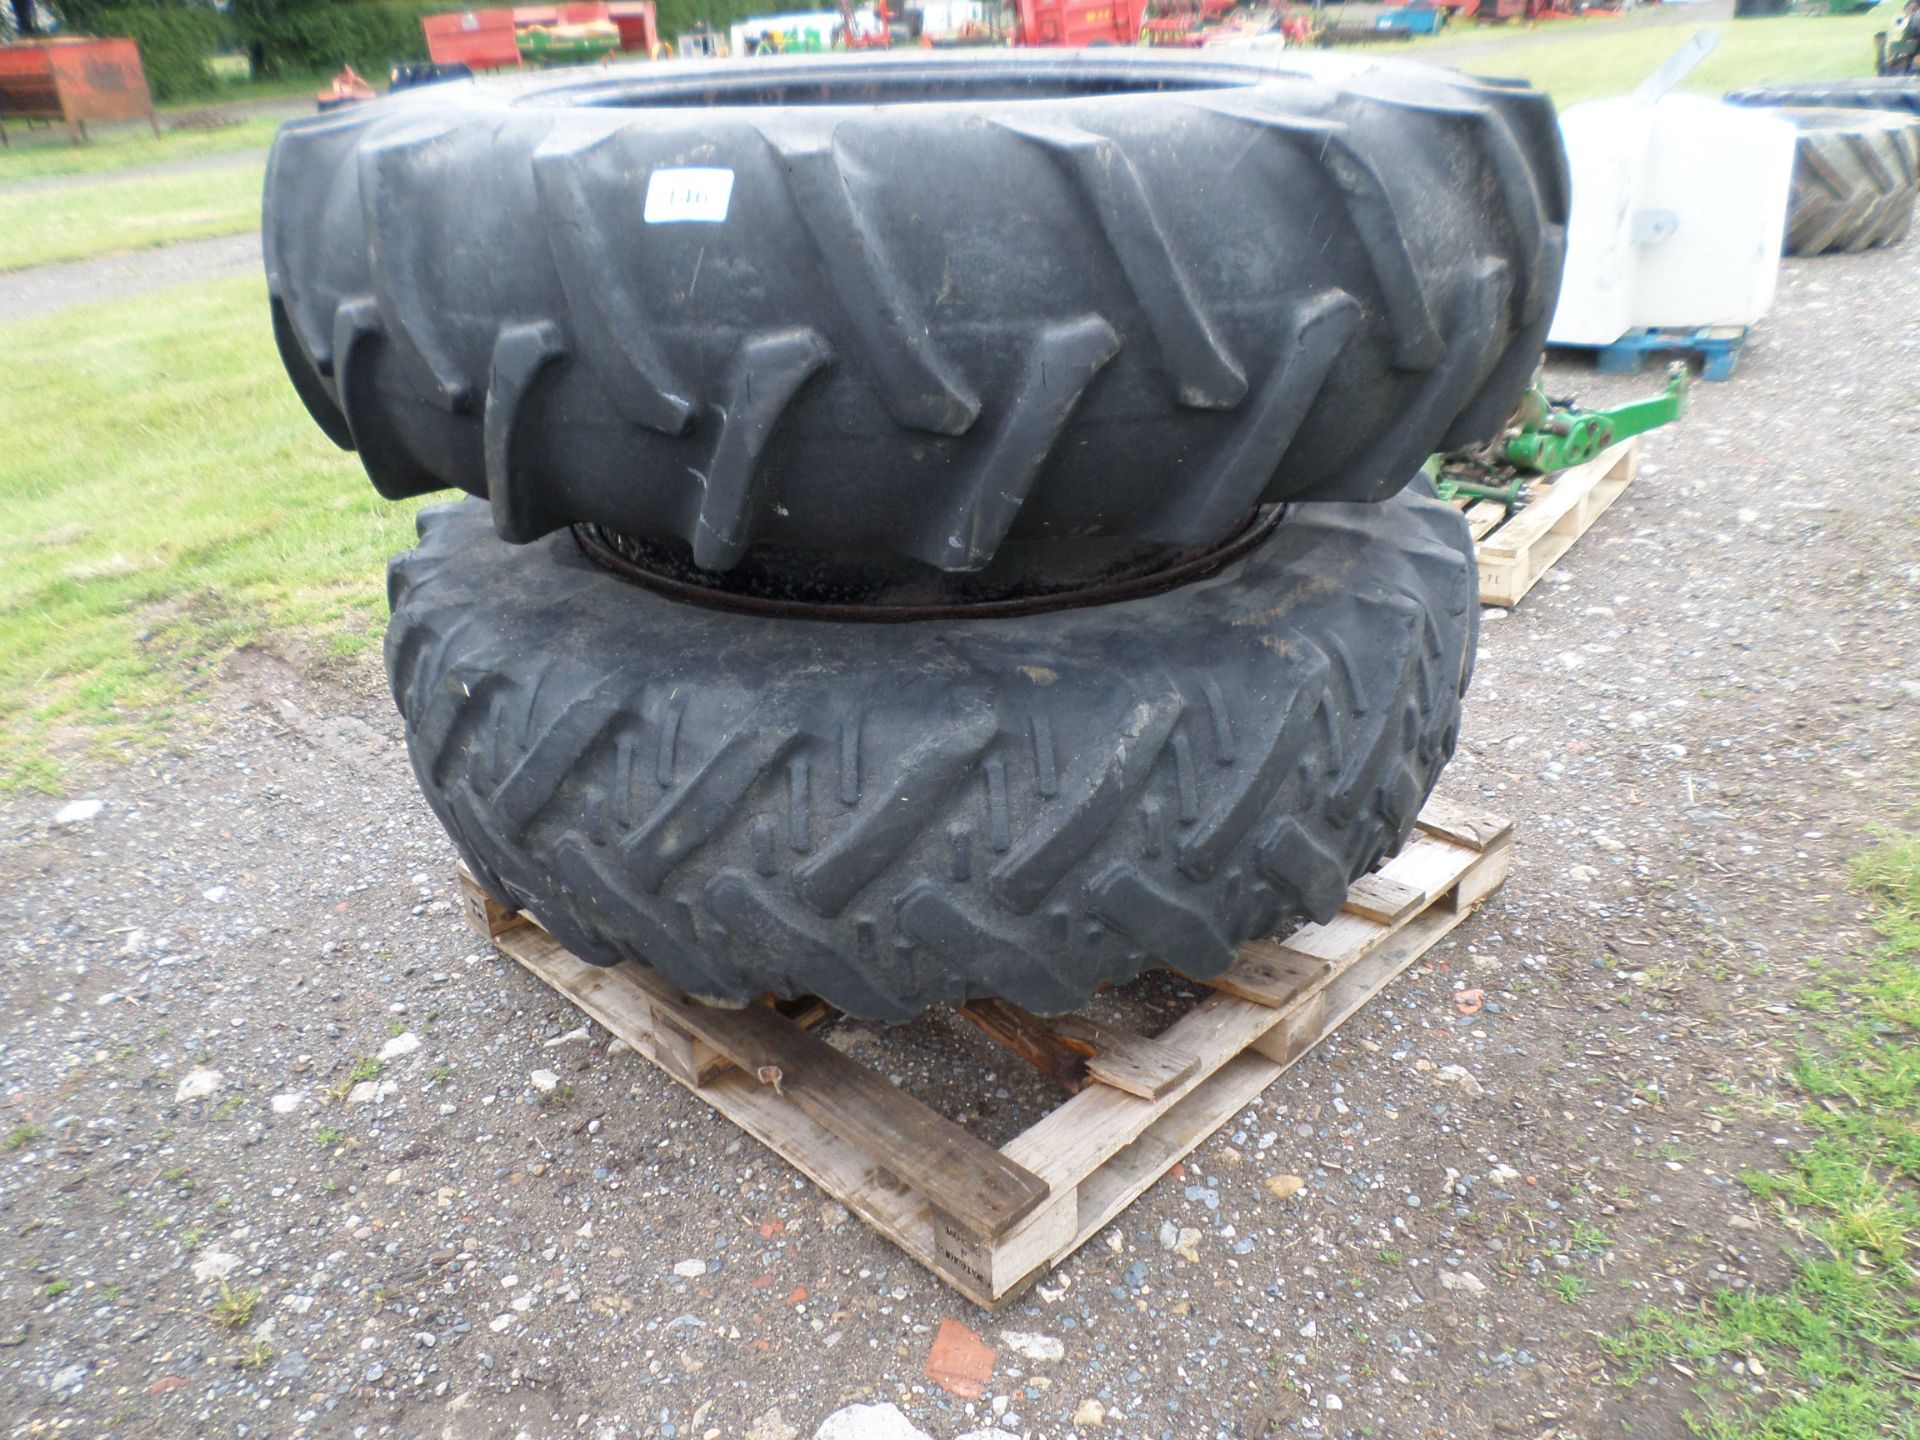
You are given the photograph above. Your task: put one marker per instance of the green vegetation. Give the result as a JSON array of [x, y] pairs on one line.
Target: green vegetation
[[35, 154], [366, 1067], [168, 500], [1839, 1345], [235, 1308], [1576, 60], [55, 1289], [1588, 1239], [176, 39], [110, 215], [1571, 1288], [23, 1135]]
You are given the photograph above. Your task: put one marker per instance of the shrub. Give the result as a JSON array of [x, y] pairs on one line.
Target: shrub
[[176, 38], [295, 36]]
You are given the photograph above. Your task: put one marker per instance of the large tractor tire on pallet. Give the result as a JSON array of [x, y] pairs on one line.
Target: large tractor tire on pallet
[[1882, 93], [898, 815], [1856, 174], [918, 312]]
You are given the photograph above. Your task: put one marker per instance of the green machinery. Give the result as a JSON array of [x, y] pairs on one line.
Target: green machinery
[[1548, 434]]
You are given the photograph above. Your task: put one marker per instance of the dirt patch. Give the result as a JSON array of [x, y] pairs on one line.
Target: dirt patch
[[1702, 712]]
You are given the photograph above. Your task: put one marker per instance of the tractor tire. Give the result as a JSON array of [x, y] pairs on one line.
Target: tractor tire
[[934, 307], [1856, 175], [894, 816], [1882, 93]]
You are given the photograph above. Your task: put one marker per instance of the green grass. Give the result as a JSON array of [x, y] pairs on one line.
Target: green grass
[[234, 1309], [23, 1135], [168, 499], [1839, 1344], [1576, 60], [34, 155], [111, 215]]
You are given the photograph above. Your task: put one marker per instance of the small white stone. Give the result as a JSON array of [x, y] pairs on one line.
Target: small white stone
[[545, 1081], [1041, 1349], [284, 1104], [1458, 1075], [198, 1084], [405, 1043], [1464, 1281], [214, 1265], [1331, 1402], [500, 1322], [690, 1269], [869, 1422], [214, 894], [77, 812]]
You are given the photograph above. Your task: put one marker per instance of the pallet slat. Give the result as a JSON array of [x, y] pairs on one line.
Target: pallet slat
[[1269, 974], [991, 1222], [1076, 1050], [1514, 555], [964, 1176]]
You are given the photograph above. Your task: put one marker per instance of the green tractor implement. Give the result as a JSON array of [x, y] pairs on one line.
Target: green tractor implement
[[1549, 434]]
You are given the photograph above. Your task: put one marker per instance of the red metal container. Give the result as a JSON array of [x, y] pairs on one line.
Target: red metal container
[[73, 81]]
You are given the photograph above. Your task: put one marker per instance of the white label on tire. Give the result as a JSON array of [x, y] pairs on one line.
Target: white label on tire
[[678, 195]]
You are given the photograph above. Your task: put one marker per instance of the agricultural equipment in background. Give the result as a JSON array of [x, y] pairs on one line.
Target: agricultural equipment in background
[[1549, 433], [1210, 24], [812, 32], [702, 42], [503, 38], [855, 37], [1075, 23]]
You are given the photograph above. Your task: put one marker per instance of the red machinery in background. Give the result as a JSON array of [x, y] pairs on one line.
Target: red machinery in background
[[485, 39], [73, 81], [1078, 22], [855, 38]]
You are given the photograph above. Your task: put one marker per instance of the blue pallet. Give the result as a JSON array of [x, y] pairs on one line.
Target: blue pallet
[[1718, 347]]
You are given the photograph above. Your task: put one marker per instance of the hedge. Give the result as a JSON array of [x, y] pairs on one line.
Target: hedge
[[302, 36], [176, 38]]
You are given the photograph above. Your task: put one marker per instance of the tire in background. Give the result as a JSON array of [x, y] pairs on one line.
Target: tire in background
[[896, 816], [1856, 174], [1881, 93], [1046, 296]]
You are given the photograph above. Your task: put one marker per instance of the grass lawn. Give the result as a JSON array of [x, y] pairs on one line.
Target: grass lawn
[[167, 500], [110, 215], [1576, 60], [1839, 1345], [34, 154]]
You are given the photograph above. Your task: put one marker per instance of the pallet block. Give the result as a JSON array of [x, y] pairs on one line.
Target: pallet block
[[1718, 347], [1515, 550], [991, 1221]]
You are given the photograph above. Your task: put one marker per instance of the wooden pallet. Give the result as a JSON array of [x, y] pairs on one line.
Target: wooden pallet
[[991, 1221], [1516, 550]]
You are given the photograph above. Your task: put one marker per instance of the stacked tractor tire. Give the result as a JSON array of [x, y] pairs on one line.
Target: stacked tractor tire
[[1856, 171], [940, 527]]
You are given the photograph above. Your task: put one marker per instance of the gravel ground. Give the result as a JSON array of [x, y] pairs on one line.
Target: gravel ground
[[44, 289], [513, 1227]]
